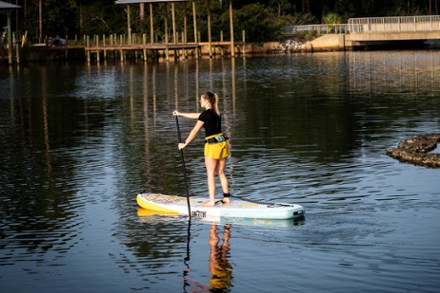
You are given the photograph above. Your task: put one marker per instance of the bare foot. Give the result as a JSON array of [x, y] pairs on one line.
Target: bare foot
[[226, 200], [208, 204]]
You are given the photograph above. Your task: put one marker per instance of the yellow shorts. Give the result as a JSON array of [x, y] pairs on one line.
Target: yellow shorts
[[219, 150]]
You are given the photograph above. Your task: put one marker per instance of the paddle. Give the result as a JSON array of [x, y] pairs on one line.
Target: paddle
[[183, 166]]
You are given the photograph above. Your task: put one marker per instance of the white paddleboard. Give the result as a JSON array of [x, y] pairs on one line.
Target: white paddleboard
[[177, 205]]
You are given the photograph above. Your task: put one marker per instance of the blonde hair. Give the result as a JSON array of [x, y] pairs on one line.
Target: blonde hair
[[212, 98]]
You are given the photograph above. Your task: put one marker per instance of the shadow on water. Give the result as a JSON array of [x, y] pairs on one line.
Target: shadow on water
[[78, 142]]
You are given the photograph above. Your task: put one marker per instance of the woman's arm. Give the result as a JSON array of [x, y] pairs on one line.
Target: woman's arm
[[187, 115], [192, 134]]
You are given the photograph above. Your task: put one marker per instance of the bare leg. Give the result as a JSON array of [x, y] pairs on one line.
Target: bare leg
[[211, 168], [223, 179]]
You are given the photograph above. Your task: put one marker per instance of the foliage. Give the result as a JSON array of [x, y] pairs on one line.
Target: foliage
[[260, 19], [256, 21], [332, 19], [102, 18]]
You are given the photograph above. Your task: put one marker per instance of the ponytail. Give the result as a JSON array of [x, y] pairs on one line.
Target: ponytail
[[213, 100]]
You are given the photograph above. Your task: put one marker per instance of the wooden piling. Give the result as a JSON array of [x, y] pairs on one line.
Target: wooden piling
[[244, 42], [195, 27], [209, 29], [104, 48], [87, 51], [144, 42], [231, 24], [221, 40], [151, 24]]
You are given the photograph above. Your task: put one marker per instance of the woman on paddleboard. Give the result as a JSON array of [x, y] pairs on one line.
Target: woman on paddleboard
[[216, 147]]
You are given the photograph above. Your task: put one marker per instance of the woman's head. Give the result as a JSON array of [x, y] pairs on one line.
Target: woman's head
[[212, 100]]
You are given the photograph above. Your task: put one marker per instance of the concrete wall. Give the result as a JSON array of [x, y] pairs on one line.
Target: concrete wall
[[393, 36], [329, 42]]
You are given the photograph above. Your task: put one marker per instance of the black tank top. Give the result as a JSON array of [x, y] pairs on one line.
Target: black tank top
[[213, 122]]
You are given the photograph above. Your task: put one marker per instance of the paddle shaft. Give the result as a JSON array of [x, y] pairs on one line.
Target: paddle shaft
[[182, 157]]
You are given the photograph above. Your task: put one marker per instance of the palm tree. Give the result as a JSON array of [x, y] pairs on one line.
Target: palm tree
[[332, 19]]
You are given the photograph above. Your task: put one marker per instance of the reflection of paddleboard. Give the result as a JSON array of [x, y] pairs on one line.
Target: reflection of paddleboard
[[236, 209]]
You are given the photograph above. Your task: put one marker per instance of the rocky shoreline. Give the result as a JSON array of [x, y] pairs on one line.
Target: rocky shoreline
[[416, 150]]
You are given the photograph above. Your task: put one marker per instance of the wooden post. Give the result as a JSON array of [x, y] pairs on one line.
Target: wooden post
[[144, 42], [121, 51], [221, 41], [195, 28], [184, 35], [17, 49], [9, 38], [166, 32], [173, 18], [142, 11], [88, 46], [231, 24], [97, 48], [244, 42], [209, 29], [40, 21], [128, 25], [111, 45], [151, 24], [103, 45]]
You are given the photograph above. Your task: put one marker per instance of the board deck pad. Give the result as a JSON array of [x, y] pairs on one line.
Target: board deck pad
[[172, 204]]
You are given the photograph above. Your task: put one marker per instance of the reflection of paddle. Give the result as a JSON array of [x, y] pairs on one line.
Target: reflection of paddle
[[184, 168], [187, 259]]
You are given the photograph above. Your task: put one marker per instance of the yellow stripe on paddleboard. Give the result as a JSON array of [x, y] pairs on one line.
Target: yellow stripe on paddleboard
[[152, 206], [146, 213]]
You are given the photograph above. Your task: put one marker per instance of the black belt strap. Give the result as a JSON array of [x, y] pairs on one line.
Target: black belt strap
[[217, 139]]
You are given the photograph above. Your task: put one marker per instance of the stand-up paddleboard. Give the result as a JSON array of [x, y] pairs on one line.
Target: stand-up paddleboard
[[177, 205], [152, 217]]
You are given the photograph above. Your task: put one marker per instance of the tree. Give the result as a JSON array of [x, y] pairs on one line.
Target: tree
[[332, 19], [261, 19]]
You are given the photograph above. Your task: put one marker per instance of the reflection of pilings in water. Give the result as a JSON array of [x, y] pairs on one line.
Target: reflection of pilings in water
[[227, 95], [131, 95], [167, 66], [210, 76], [233, 86], [153, 78], [11, 94], [46, 125], [412, 72], [186, 79], [224, 89], [147, 165], [233, 101], [176, 86], [197, 84]]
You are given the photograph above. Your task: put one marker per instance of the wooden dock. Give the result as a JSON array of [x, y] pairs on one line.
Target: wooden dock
[[155, 50], [98, 53]]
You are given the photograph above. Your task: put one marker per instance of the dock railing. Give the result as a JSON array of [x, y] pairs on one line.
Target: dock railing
[[395, 24], [319, 28], [371, 24]]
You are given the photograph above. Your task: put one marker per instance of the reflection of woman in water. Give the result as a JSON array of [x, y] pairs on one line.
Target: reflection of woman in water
[[219, 266]]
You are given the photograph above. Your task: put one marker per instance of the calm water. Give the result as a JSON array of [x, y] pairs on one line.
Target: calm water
[[78, 142]]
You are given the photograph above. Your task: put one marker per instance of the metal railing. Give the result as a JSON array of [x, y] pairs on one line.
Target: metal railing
[[371, 24], [395, 24], [319, 28]]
